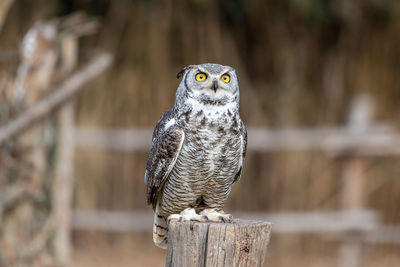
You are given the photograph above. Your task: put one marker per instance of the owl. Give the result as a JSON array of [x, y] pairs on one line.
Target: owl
[[198, 150]]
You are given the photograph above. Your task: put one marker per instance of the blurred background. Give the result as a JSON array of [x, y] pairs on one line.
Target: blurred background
[[320, 95]]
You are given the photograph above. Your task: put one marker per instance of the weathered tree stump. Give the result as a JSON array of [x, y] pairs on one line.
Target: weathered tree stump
[[240, 243]]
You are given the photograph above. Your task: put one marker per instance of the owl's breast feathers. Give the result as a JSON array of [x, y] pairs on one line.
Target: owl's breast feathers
[[215, 141], [210, 142]]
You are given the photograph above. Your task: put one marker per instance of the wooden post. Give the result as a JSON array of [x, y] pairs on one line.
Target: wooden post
[[63, 185], [241, 243], [353, 180], [63, 182]]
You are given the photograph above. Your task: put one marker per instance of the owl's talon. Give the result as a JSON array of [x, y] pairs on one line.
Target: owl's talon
[[215, 216], [207, 215], [175, 217], [227, 218], [186, 215]]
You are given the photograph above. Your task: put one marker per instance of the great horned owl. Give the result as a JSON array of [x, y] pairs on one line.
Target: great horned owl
[[198, 150]]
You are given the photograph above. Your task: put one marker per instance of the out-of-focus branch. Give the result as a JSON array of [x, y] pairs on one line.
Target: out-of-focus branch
[[10, 195], [65, 91], [4, 7], [39, 241]]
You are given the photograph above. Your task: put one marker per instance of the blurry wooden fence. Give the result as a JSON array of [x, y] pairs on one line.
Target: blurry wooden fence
[[358, 139]]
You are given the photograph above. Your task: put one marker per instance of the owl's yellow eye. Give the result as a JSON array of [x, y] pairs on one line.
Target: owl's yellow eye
[[226, 78], [201, 76]]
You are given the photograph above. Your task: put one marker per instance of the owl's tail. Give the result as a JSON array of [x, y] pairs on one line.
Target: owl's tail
[[160, 230]]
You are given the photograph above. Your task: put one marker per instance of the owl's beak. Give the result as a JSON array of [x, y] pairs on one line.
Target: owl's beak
[[214, 85]]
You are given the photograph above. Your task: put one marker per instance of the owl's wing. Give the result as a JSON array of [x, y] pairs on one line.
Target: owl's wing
[[244, 149], [167, 143]]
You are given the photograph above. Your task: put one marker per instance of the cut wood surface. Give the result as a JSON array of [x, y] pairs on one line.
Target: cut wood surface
[[240, 243]]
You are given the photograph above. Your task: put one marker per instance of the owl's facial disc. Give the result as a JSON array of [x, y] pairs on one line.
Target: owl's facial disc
[[210, 84], [207, 85], [216, 80]]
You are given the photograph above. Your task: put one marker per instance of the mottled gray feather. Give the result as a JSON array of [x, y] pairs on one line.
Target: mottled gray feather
[[166, 147], [244, 150]]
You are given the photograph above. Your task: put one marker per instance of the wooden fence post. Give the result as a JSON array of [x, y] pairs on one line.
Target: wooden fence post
[[240, 243], [353, 179], [63, 180]]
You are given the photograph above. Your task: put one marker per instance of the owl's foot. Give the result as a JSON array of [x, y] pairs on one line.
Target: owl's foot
[[215, 216], [188, 214]]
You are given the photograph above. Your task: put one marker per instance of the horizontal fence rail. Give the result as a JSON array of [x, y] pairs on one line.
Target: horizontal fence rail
[[333, 225], [284, 222], [374, 140]]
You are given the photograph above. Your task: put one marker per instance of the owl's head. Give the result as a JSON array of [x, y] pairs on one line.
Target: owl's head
[[208, 84]]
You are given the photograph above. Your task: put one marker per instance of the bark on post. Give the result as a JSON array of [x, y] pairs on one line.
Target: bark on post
[[241, 243]]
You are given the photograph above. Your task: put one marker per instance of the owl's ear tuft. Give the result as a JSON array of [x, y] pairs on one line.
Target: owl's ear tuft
[[182, 72]]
